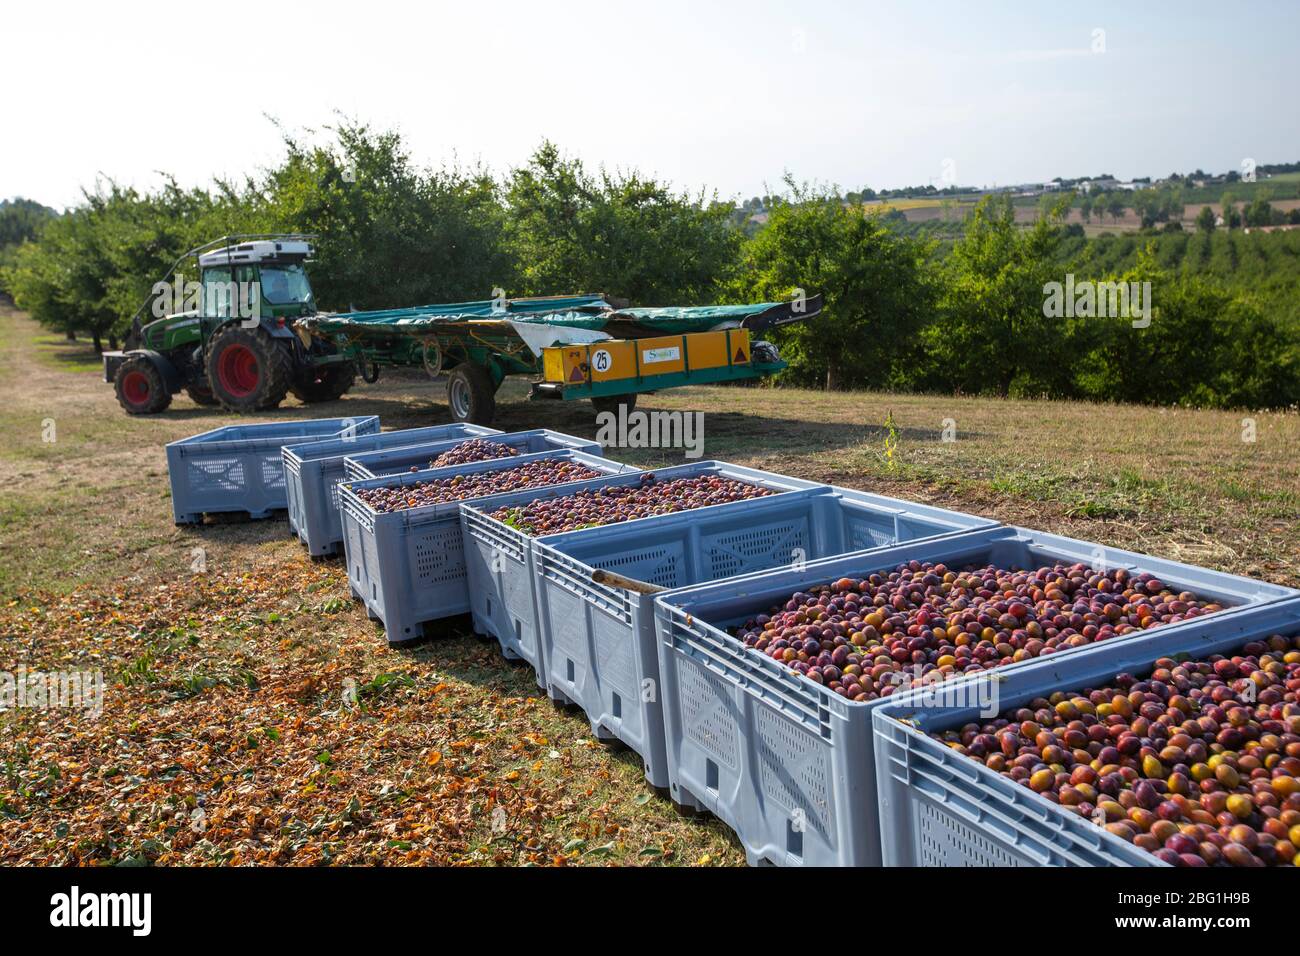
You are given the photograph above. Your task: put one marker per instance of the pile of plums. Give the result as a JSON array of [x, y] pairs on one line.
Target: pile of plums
[[533, 474], [610, 505], [1199, 763], [868, 638], [475, 449]]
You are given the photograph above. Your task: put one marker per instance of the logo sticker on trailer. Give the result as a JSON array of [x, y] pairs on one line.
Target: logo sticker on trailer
[[650, 356]]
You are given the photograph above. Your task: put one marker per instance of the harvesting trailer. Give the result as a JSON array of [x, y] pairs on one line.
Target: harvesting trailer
[[581, 346]]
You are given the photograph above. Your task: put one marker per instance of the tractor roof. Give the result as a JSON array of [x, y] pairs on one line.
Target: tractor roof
[[261, 250]]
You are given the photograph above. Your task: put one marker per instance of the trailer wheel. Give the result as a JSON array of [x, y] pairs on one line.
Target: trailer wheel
[[471, 393], [612, 403], [247, 369], [140, 387], [324, 383], [200, 393]]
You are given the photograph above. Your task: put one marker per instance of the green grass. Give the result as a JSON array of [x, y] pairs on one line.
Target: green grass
[[57, 352]]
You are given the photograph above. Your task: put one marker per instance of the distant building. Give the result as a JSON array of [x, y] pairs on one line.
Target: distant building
[[1100, 185]]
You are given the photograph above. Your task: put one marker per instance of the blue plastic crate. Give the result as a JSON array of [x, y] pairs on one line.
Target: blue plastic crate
[[408, 567], [398, 461], [788, 763], [499, 558], [239, 467], [599, 641], [313, 471], [939, 808]]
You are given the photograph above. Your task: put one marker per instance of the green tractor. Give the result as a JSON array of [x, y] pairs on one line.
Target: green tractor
[[231, 338]]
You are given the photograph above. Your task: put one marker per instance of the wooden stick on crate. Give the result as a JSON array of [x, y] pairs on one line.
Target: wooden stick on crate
[[601, 576]]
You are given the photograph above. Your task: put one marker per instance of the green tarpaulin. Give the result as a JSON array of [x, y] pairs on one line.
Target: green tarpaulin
[[592, 312]]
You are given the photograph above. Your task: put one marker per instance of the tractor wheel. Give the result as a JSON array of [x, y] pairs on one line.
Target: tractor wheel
[[140, 387], [324, 383], [247, 369], [200, 393], [612, 403], [471, 393]]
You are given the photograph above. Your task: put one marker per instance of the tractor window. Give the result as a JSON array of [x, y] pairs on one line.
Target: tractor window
[[285, 285], [217, 289], [249, 290]]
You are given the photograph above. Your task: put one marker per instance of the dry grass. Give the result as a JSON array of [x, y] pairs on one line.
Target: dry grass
[[226, 688]]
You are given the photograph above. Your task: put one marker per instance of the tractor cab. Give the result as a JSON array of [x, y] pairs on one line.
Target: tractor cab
[[263, 279]]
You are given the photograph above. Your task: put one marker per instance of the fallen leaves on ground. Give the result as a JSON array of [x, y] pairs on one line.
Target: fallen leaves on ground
[[252, 718]]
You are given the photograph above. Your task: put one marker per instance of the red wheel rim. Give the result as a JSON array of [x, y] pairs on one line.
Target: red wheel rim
[[237, 370], [135, 388]]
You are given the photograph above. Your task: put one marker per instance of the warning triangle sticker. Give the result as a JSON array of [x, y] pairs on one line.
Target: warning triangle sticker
[[576, 375], [740, 356]]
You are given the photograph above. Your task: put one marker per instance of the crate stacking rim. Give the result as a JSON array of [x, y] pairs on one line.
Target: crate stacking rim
[[240, 467], [408, 567], [398, 461], [500, 561], [313, 471], [940, 808], [599, 641], [788, 763]]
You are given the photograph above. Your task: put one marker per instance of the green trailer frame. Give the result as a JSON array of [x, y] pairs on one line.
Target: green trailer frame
[[484, 333]]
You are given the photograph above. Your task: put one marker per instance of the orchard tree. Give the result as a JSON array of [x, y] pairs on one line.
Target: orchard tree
[[874, 281], [992, 334], [1231, 217], [61, 280], [1115, 205], [1203, 346], [20, 221], [619, 233], [390, 233], [1259, 213]]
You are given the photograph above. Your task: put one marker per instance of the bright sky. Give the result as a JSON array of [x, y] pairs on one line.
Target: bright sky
[[701, 93]]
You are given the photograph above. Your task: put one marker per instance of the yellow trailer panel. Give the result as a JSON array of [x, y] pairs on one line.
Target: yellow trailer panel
[[622, 359], [611, 361]]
